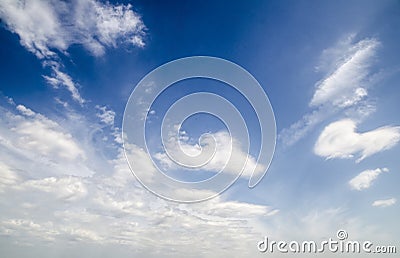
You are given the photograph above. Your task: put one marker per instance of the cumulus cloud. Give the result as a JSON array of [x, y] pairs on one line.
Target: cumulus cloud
[[341, 140], [344, 87], [49, 28], [25, 111], [101, 25], [46, 26], [384, 203], [365, 179]]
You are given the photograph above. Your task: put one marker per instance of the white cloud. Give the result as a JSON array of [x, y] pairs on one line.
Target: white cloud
[[48, 231], [29, 139], [42, 135], [296, 131], [25, 111], [37, 25], [107, 116], [228, 154], [45, 27], [128, 216], [65, 188], [344, 86], [103, 25], [59, 78], [8, 177], [143, 164], [365, 179], [340, 140], [110, 207], [384, 203]]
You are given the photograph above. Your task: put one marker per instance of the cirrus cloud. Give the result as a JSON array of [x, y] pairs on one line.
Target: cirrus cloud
[[343, 87]]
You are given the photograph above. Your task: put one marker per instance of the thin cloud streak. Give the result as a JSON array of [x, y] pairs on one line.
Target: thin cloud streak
[[345, 87]]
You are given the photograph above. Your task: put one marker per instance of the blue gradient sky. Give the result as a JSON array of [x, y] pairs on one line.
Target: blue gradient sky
[[65, 186]]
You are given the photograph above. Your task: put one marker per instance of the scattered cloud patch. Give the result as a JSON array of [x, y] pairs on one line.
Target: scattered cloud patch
[[106, 116], [25, 111], [340, 140], [365, 179], [49, 28], [72, 208], [384, 203]]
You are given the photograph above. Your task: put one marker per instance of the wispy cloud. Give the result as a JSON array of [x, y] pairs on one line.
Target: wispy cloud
[[8, 177], [67, 188], [59, 78], [384, 203], [340, 140], [365, 179], [44, 136], [49, 28], [106, 116], [33, 140], [345, 85]]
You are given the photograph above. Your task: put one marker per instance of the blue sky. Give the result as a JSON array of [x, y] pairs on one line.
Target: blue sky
[[67, 69]]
